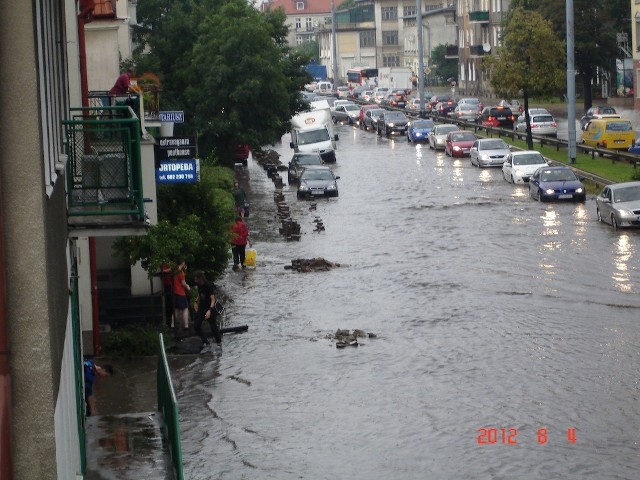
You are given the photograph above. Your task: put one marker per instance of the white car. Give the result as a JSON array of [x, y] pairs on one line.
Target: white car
[[489, 152], [338, 103], [541, 124], [519, 166], [532, 112], [438, 136], [378, 93], [342, 92]]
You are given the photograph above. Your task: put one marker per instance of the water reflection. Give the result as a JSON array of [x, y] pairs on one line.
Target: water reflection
[[624, 254]]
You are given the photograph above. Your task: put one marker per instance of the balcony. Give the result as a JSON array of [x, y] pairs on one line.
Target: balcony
[[451, 51], [476, 51], [479, 16], [104, 176]]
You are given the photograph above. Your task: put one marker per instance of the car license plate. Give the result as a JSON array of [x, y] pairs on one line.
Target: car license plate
[[321, 192], [618, 141], [502, 118], [564, 196]]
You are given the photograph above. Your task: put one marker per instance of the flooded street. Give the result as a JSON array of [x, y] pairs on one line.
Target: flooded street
[[492, 311]]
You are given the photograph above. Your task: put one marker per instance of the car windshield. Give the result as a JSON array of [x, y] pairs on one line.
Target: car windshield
[[528, 159], [463, 137], [500, 111], [352, 107], [313, 136], [309, 160], [423, 124], [560, 175], [377, 113], [395, 116], [319, 174], [444, 129], [493, 145], [626, 194], [619, 126]]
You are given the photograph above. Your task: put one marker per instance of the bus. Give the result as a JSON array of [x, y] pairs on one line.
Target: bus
[[362, 76]]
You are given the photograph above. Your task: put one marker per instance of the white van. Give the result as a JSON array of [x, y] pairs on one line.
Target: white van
[[324, 88]]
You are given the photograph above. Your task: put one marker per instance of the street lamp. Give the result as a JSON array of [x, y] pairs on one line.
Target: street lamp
[[571, 85]]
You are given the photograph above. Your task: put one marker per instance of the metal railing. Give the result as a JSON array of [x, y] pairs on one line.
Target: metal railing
[[104, 174], [168, 407]]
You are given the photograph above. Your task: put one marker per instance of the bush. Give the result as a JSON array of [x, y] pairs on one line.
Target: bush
[[134, 340]]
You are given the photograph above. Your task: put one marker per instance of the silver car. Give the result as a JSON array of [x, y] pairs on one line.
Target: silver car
[[317, 181], [489, 152], [349, 113], [619, 205], [438, 136], [519, 166], [541, 124]]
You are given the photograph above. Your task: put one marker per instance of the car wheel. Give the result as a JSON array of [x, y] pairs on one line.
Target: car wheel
[[335, 120], [350, 121], [408, 139], [290, 179], [599, 214], [614, 222], [513, 180], [378, 131], [386, 131]]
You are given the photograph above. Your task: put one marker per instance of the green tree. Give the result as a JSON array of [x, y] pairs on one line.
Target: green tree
[[309, 50], [594, 33], [443, 67], [531, 60]]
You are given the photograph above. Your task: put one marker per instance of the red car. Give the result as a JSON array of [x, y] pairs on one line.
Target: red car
[[242, 154], [458, 143]]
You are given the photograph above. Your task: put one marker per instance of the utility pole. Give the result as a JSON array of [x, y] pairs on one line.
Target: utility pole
[[571, 85], [420, 57], [335, 47]]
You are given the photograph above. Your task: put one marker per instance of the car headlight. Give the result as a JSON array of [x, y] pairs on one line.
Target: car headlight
[[390, 124], [456, 148], [484, 156], [331, 187], [578, 190], [519, 173], [303, 188], [626, 213], [549, 191]]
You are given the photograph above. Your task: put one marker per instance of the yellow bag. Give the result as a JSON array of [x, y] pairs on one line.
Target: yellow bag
[[250, 257]]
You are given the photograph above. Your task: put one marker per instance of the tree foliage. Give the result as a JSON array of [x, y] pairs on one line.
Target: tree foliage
[[443, 67], [596, 23], [226, 65]]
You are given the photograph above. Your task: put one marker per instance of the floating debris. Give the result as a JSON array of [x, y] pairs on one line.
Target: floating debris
[[311, 265], [346, 338]]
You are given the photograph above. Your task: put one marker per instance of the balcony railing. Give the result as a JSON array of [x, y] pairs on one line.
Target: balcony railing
[[451, 51], [104, 162], [479, 16]]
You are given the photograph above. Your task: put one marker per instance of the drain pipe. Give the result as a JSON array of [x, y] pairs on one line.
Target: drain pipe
[[6, 462]]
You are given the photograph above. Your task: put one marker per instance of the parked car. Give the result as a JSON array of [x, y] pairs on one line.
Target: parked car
[[242, 154], [619, 205], [519, 166], [363, 111], [497, 116], [349, 113], [316, 181], [392, 122], [299, 162], [418, 130], [489, 152], [342, 92], [556, 183], [541, 124], [614, 133], [371, 118], [458, 143], [443, 108], [438, 135], [596, 112]]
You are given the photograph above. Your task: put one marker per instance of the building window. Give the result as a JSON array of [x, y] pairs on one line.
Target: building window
[[298, 22], [299, 39], [409, 11], [104, 9], [435, 7], [368, 39], [309, 24], [391, 60], [299, 5], [390, 37], [389, 13]]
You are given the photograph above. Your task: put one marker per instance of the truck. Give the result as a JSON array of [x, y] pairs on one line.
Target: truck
[[313, 131], [395, 77]]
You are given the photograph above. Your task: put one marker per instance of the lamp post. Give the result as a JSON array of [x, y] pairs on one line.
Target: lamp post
[[420, 57], [571, 85], [335, 48]]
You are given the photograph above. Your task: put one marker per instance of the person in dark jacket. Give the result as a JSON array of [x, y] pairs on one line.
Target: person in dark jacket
[[207, 311]]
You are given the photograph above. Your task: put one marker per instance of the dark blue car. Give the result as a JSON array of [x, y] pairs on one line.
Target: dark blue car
[[556, 183], [418, 130]]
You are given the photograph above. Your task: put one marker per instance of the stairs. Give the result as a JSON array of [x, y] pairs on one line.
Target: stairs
[[118, 308]]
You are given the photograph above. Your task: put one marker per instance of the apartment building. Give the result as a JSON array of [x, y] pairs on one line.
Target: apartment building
[[635, 42], [304, 17]]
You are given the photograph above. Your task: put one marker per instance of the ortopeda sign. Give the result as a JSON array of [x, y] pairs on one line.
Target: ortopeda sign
[[175, 147], [179, 171]]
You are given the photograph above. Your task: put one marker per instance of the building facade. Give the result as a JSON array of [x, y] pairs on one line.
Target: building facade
[[304, 17], [635, 42]]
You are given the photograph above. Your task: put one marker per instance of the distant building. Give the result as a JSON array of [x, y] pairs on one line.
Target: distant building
[[635, 42], [304, 17]]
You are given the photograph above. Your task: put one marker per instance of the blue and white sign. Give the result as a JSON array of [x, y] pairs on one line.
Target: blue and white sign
[[178, 171], [175, 117]]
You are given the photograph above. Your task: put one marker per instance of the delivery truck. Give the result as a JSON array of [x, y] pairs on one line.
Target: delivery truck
[[313, 131]]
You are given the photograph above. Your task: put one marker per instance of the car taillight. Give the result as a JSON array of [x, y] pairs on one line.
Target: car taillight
[[554, 124], [604, 143], [490, 118]]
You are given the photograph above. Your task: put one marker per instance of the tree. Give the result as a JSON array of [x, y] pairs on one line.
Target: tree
[[443, 67], [226, 65], [594, 33], [309, 50], [531, 61]]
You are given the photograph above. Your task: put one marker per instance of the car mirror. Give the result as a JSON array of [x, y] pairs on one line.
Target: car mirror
[[337, 177], [605, 200]]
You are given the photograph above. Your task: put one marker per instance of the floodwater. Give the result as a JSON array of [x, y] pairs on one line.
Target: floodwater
[[508, 333]]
